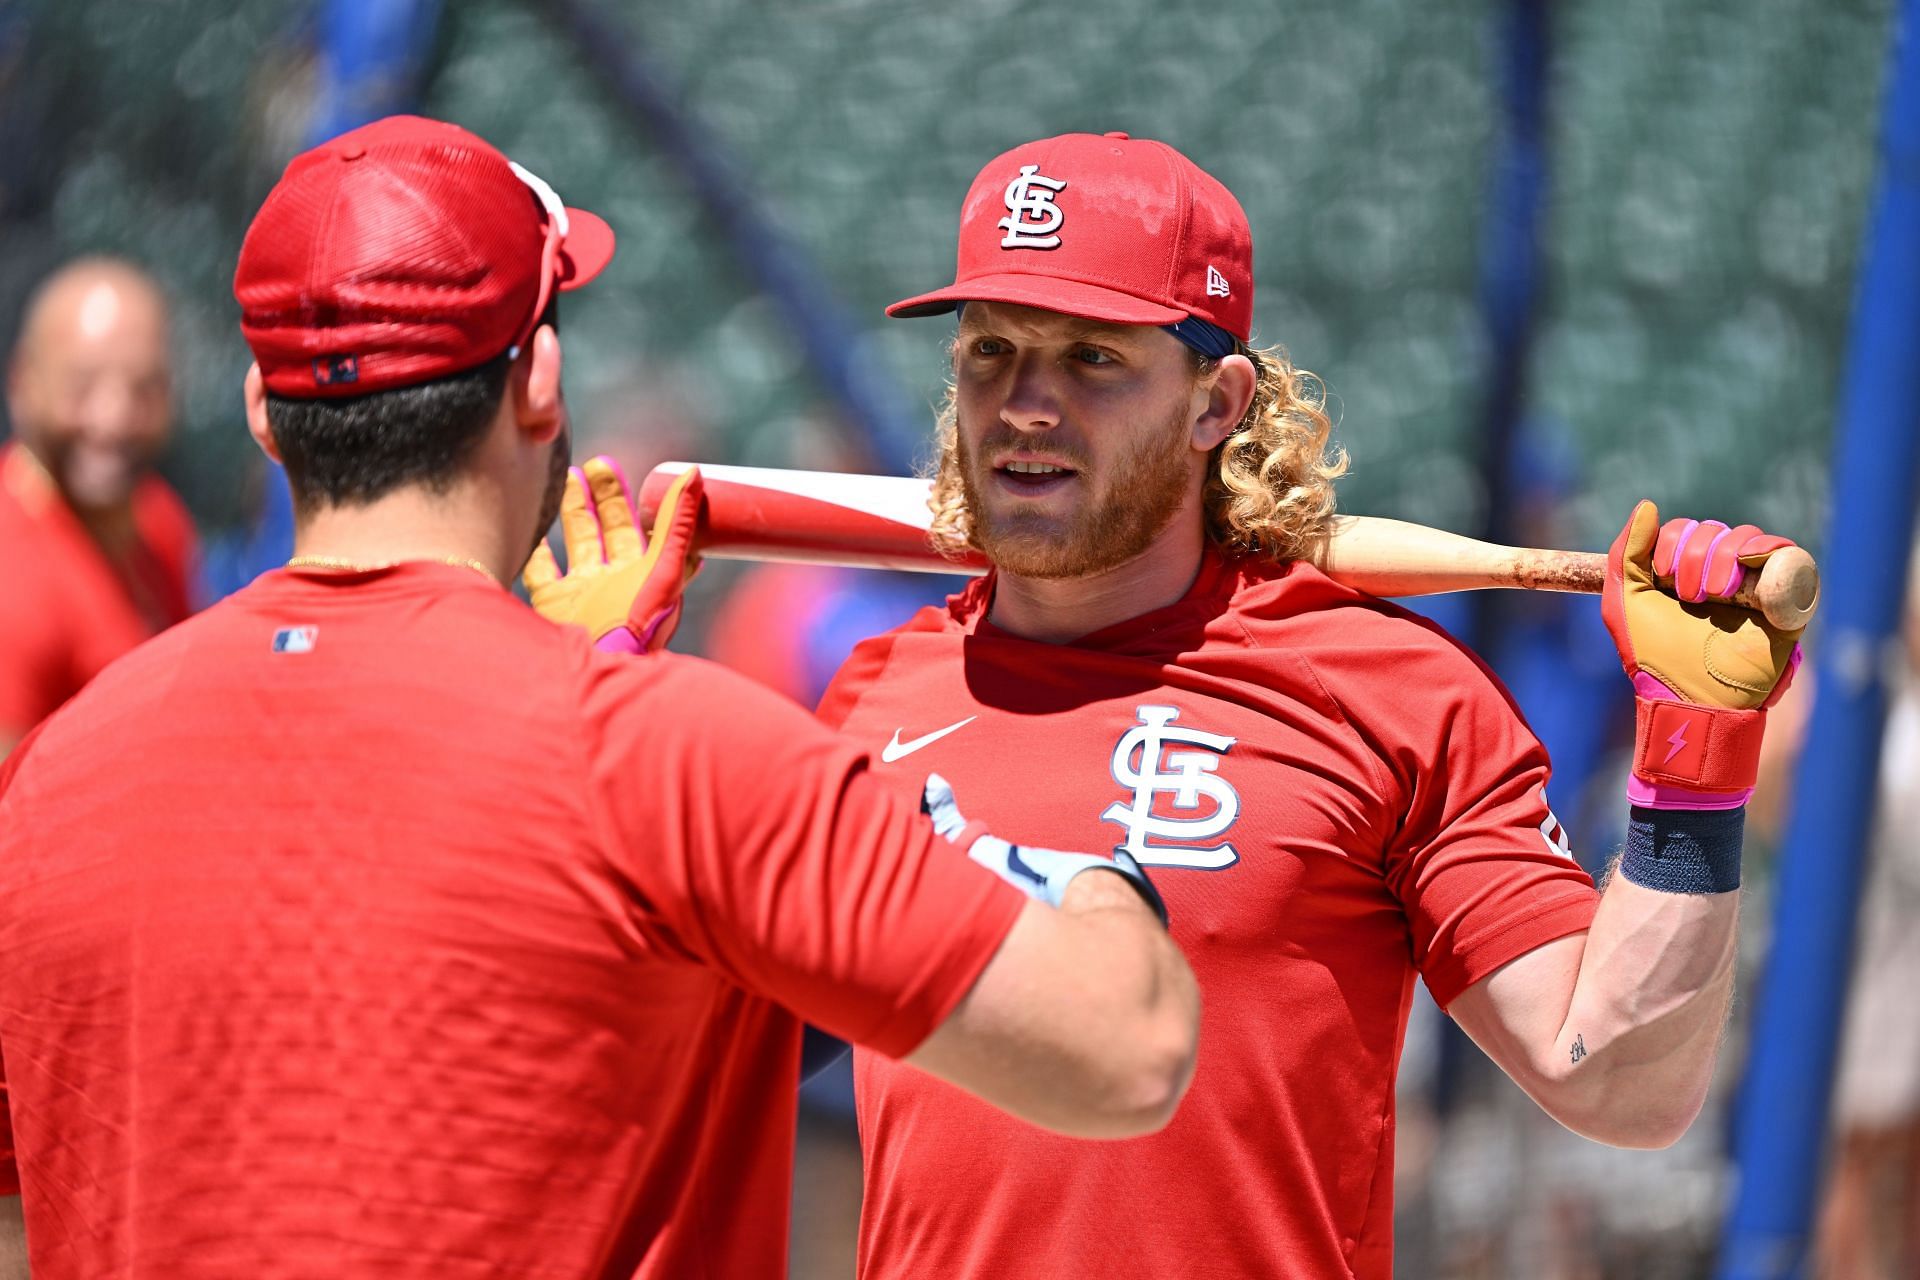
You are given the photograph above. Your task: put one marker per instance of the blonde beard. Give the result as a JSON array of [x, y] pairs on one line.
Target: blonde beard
[[1146, 491]]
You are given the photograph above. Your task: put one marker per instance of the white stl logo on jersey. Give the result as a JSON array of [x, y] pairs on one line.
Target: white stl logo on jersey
[[1195, 803]]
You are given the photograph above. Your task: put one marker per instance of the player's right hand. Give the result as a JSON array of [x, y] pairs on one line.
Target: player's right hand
[[1041, 874], [622, 589], [1704, 670]]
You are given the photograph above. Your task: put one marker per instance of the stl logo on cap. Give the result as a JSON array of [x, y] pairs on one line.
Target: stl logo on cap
[[1032, 216]]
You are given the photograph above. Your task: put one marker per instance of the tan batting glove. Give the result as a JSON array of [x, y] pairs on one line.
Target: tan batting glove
[[1703, 670], [623, 590]]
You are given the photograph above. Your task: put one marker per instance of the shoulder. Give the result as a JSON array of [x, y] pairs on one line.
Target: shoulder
[[870, 658], [1361, 648]]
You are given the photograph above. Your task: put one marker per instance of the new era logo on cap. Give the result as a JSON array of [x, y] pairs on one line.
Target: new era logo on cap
[[1133, 233]]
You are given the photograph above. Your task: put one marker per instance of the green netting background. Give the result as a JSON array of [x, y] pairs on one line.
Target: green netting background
[[1710, 166], [1709, 171]]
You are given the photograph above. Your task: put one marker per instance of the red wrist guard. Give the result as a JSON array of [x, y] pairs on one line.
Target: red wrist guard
[[1695, 748]]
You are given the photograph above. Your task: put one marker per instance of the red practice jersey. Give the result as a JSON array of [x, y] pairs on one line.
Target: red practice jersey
[[370, 925], [67, 608], [1333, 797]]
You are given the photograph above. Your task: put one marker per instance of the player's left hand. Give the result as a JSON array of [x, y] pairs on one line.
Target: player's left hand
[[623, 589], [1041, 874], [1704, 670]]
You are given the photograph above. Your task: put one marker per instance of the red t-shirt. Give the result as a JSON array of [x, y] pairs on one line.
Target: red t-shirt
[[370, 925], [1332, 796], [67, 609]]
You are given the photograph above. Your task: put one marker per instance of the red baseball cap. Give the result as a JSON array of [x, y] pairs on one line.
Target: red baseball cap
[[400, 252], [1113, 228]]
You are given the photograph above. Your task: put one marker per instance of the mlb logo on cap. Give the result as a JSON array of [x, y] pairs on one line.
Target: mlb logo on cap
[[328, 370]]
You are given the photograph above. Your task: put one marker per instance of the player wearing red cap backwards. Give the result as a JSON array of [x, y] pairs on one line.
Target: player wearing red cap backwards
[[1335, 796], [370, 925]]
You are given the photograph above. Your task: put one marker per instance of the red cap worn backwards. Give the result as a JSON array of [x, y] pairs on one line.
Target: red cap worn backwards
[[400, 252], [1112, 228]]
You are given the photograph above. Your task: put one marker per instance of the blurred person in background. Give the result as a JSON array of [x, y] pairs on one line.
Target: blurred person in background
[[100, 552], [1870, 1222]]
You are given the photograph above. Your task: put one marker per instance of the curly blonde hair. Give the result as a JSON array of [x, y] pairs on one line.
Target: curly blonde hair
[[1269, 489]]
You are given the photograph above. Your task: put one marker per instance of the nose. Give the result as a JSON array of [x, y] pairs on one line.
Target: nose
[[110, 409], [119, 408], [1033, 396]]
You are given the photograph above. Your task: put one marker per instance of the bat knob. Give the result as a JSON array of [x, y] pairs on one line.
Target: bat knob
[[1788, 589]]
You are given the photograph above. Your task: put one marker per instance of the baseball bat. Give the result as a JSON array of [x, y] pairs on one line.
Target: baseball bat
[[880, 522]]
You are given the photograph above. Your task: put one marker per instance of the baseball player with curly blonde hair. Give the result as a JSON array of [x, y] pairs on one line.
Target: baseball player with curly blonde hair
[[1335, 797]]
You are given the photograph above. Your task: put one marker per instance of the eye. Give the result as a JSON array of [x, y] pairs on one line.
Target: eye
[[1094, 356], [987, 347]]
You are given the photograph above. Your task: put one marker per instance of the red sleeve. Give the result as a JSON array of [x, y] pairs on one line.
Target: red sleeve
[[34, 673], [1477, 861], [763, 845]]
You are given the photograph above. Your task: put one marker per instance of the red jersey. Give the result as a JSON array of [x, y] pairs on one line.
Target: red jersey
[[67, 608], [1332, 796], [370, 925]]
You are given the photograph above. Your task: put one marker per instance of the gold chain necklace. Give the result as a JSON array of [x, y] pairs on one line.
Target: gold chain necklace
[[343, 565]]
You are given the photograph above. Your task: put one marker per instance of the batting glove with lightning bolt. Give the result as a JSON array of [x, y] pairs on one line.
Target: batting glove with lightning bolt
[[625, 591], [1704, 671], [1041, 874]]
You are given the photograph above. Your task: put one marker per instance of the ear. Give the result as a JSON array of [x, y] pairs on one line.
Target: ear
[[1222, 401], [535, 387], [257, 425]]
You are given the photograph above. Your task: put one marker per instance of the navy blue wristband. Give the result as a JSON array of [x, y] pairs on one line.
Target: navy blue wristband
[[1684, 850]]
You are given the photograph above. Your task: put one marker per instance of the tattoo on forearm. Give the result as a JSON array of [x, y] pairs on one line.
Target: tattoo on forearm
[[1579, 1050]]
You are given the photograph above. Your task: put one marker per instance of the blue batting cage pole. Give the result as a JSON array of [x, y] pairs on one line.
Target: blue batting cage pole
[[372, 53], [1783, 1107]]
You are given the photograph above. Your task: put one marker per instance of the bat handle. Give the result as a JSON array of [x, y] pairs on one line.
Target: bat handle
[[1785, 591]]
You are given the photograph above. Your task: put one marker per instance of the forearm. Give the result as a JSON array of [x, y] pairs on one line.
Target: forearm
[[1614, 1031], [1632, 1059], [1085, 1022]]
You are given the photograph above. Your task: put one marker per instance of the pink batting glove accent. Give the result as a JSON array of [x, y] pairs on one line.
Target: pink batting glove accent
[[1793, 669], [620, 640], [1650, 795], [1668, 546], [1706, 564], [667, 618], [626, 485]]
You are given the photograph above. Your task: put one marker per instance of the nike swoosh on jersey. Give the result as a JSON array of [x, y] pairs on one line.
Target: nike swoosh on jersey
[[896, 749], [1018, 865]]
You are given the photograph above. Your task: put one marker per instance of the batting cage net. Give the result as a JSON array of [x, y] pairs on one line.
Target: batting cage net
[[1670, 199]]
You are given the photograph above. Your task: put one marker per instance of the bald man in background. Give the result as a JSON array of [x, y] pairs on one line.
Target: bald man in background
[[96, 552]]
